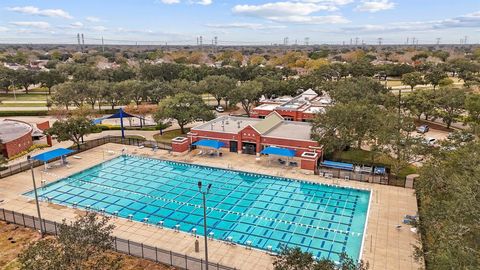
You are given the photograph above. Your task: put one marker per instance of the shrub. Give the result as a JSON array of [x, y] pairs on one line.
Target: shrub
[[30, 149]]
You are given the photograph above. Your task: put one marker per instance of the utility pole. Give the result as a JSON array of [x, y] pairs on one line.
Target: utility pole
[[216, 43], [351, 42], [307, 40], [201, 42], [465, 40], [408, 39], [42, 231], [83, 43], [103, 45], [356, 41], [78, 41], [380, 41], [204, 194], [438, 41]]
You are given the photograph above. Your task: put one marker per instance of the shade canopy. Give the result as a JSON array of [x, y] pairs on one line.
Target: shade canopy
[[119, 114], [271, 150], [209, 143], [337, 165], [47, 156]]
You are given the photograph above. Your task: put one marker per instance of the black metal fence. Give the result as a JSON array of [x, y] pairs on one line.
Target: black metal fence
[[87, 145], [386, 179], [177, 260]]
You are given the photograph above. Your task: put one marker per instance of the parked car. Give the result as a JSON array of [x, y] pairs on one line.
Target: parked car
[[219, 109], [430, 141], [423, 129]]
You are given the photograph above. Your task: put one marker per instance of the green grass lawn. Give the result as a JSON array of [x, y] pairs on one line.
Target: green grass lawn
[[24, 97], [138, 137], [22, 105], [368, 157], [169, 135], [38, 89]]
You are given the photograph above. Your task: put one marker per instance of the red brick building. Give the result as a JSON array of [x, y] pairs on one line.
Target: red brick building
[[302, 108], [15, 137], [252, 135]]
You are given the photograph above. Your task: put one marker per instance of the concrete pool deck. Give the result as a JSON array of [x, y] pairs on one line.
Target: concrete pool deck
[[385, 246]]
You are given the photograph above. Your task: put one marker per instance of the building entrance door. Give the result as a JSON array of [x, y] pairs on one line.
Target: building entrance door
[[233, 146], [250, 148]]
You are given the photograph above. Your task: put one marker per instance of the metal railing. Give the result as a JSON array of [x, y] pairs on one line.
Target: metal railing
[[158, 255], [87, 145]]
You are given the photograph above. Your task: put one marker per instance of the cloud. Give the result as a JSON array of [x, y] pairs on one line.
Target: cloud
[[39, 25], [471, 20], [251, 26], [76, 25], [99, 28], [294, 12], [169, 2], [3, 29], [31, 10], [203, 2], [92, 19], [375, 5], [198, 2]]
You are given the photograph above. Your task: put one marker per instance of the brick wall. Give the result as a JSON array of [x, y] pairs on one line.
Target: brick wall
[[18, 145]]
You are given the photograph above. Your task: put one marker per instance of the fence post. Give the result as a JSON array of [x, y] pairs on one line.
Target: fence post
[[171, 259], [156, 254], [186, 262], [55, 225], [23, 218], [201, 264], [115, 241], [141, 245], [13, 214], [128, 245]]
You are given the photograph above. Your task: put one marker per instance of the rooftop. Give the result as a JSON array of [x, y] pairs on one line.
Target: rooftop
[[11, 130], [272, 126]]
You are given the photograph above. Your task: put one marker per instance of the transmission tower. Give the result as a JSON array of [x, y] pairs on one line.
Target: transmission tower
[[307, 40]]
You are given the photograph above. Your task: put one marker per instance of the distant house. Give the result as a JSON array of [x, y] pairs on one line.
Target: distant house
[[13, 66], [302, 108]]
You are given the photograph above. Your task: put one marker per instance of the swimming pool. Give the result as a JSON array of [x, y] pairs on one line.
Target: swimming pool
[[265, 210]]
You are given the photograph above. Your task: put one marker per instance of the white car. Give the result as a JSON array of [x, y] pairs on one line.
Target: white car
[[219, 109], [430, 141]]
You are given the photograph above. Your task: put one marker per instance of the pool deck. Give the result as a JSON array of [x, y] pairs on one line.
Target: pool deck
[[385, 246]]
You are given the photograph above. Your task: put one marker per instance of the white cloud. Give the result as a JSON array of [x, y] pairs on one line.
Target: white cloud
[[76, 25], [39, 25], [251, 26], [471, 20], [375, 5], [92, 19], [294, 12], [3, 29], [31, 10], [203, 2], [169, 2], [99, 28]]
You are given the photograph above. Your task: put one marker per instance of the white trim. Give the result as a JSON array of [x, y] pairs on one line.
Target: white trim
[[366, 225]]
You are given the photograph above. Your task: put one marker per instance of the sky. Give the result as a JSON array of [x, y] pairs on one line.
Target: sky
[[237, 22]]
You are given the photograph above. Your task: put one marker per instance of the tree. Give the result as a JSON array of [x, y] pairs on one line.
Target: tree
[[435, 76], [443, 55], [157, 90], [134, 90], [449, 103], [82, 244], [185, 108], [420, 103], [50, 78], [412, 79], [25, 78], [114, 94], [472, 106], [217, 86], [296, 259], [248, 93], [359, 90], [72, 129], [361, 68], [345, 124], [447, 192], [65, 94]]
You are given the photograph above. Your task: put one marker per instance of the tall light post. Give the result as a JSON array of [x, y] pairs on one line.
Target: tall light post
[[42, 232], [204, 194]]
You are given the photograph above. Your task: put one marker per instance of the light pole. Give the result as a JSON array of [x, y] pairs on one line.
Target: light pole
[[204, 194], [42, 233]]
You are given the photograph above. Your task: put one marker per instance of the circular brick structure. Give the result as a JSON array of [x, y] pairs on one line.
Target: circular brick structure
[[15, 137]]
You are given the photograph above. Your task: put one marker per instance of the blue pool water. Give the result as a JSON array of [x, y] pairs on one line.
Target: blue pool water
[[266, 210]]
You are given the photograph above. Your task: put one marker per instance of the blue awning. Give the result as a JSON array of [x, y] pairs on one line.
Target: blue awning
[[337, 165], [271, 150], [47, 156], [119, 114], [209, 143]]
